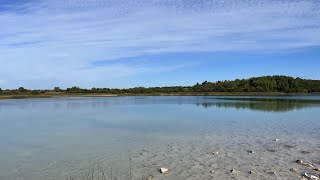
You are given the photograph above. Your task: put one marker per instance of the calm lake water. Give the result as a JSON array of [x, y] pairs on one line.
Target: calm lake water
[[53, 138]]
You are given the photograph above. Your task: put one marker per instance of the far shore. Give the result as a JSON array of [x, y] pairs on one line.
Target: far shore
[[62, 95]]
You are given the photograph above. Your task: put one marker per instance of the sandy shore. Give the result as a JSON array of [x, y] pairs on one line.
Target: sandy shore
[[250, 159]]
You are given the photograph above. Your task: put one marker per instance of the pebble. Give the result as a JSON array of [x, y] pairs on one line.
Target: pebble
[[304, 163], [289, 146], [305, 152], [271, 150], [310, 176], [273, 173], [293, 170], [150, 177], [215, 153], [299, 161], [212, 171], [164, 170], [314, 177], [252, 172], [317, 169]]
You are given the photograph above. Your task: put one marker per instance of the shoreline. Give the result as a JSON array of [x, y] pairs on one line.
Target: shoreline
[[66, 95]]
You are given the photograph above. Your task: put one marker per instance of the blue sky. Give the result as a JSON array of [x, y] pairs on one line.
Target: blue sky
[[127, 43]]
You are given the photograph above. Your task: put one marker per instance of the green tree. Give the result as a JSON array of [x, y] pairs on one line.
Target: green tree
[[75, 89], [57, 89], [22, 89]]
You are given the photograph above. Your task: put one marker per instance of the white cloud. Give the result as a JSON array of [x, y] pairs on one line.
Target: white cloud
[[56, 41]]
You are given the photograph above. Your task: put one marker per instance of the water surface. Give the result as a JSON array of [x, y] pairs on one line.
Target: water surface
[[53, 138]]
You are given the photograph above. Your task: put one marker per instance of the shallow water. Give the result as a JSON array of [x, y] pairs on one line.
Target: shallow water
[[56, 138]]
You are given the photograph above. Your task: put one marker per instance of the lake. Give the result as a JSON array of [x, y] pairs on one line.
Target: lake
[[200, 137]]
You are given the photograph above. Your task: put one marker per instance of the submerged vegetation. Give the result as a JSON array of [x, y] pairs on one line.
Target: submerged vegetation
[[259, 85], [99, 171]]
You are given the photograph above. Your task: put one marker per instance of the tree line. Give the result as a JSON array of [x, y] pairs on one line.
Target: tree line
[[281, 84]]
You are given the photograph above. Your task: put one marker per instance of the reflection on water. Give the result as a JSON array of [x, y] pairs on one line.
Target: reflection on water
[[264, 104], [268, 104], [275, 100]]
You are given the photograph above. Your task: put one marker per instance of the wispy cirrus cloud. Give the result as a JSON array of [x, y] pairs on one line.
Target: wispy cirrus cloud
[[59, 41]]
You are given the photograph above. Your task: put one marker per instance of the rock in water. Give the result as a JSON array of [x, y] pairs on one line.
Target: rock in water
[[164, 170], [215, 153], [305, 152], [304, 163], [272, 173], [150, 177], [271, 150], [316, 169], [293, 170], [299, 161], [276, 140], [313, 177]]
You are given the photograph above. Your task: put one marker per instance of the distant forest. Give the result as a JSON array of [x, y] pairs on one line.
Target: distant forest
[[277, 84]]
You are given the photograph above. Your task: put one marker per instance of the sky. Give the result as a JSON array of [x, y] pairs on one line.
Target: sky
[[131, 43]]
